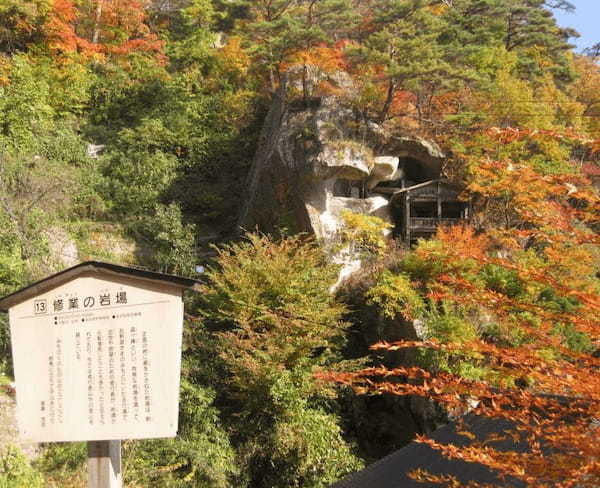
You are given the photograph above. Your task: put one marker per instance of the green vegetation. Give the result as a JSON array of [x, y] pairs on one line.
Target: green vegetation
[[15, 470], [128, 135]]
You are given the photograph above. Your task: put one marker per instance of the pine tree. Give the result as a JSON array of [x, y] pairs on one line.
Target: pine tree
[[519, 25], [283, 32]]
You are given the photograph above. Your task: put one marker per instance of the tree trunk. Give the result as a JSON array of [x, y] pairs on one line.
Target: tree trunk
[[98, 16], [388, 102]]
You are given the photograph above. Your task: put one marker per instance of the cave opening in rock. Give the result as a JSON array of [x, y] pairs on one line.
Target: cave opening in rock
[[411, 171], [415, 172], [349, 188]]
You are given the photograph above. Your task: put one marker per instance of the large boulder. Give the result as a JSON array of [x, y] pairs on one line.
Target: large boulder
[[385, 168], [306, 146], [309, 149]]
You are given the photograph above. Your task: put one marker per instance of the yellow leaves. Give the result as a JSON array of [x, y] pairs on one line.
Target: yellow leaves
[[439, 9], [586, 90], [233, 58], [5, 68], [395, 295], [365, 233]]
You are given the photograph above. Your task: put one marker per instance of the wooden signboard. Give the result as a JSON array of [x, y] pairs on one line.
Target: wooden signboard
[[96, 353]]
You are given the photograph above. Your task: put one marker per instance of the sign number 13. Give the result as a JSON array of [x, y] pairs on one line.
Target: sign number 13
[[40, 306]]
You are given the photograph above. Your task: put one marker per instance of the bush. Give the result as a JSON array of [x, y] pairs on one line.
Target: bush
[[199, 456], [278, 323], [394, 294], [15, 470]]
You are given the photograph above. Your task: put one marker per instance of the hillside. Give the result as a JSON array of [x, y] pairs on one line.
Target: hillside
[[396, 202]]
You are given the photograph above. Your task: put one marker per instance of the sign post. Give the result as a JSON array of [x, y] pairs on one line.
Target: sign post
[[97, 357], [104, 464]]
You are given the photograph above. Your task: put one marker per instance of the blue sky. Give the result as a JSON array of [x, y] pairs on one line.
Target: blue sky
[[585, 19]]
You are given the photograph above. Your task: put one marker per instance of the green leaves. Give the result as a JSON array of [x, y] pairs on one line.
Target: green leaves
[[394, 295], [200, 456], [15, 470], [277, 325]]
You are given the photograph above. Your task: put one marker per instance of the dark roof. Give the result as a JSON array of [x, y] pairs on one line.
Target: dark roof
[[93, 267], [392, 471], [397, 191], [427, 183]]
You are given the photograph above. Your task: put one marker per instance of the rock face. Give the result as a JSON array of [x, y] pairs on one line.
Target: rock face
[[385, 168], [317, 159]]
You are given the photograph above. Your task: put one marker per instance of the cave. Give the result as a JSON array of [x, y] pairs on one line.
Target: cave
[[349, 188]]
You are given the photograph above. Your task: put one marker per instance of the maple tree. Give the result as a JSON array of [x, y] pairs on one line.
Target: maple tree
[[100, 28], [511, 322]]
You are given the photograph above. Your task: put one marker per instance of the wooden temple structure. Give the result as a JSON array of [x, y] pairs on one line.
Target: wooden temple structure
[[421, 208]]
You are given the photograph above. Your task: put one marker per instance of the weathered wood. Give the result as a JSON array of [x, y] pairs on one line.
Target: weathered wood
[[430, 224], [439, 200], [407, 217], [387, 190], [104, 464]]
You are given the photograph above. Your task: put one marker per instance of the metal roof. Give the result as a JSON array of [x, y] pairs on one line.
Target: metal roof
[[392, 471], [97, 268]]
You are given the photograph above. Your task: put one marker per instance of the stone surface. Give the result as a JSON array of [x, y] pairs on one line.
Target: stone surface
[[93, 150], [306, 146], [427, 153], [342, 161], [62, 248], [385, 168]]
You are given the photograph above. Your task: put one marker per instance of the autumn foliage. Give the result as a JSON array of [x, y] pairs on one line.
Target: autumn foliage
[[525, 287], [100, 28], [130, 127]]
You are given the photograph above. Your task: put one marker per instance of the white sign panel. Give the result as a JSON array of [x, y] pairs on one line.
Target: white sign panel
[[98, 359]]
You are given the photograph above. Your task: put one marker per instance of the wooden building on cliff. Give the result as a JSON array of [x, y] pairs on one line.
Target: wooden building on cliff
[[421, 208]]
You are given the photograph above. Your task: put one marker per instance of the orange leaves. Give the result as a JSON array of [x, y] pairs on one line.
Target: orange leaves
[[546, 207], [511, 134], [529, 368], [100, 28], [463, 241], [60, 29], [328, 59]]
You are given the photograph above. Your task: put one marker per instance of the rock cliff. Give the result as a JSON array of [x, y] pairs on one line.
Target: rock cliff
[[318, 158]]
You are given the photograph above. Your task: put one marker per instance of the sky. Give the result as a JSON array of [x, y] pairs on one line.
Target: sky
[[585, 19]]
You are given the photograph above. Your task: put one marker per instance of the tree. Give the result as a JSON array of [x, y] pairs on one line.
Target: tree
[[277, 324], [403, 48], [524, 26], [586, 90], [99, 28], [284, 32], [20, 23]]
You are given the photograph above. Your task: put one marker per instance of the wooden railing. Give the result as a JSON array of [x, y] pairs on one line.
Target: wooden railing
[[430, 223]]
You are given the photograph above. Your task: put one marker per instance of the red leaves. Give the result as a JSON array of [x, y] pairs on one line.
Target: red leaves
[[60, 30], [100, 28]]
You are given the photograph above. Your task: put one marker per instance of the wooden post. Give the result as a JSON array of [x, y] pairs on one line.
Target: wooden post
[[104, 464], [439, 202], [407, 214]]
